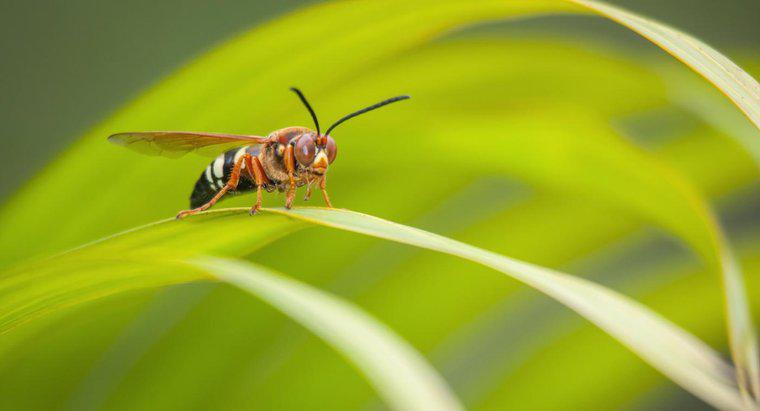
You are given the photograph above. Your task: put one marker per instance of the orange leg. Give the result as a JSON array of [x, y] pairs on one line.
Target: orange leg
[[323, 187], [256, 171], [308, 190], [231, 185], [290, 165]]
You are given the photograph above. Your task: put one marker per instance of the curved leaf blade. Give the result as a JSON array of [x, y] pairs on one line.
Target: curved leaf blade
[[674, 352], [744, 91], [728, 77], [148, 258], [393, 367]]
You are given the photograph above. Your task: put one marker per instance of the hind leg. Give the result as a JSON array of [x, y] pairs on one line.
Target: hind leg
[[231, 185]]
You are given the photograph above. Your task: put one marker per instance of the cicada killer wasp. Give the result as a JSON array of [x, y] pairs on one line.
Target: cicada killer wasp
[[284, 160]]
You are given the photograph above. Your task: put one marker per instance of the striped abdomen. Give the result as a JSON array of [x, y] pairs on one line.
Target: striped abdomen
[[216, 175]]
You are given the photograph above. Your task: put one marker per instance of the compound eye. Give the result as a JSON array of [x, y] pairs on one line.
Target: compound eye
[[305, 150], [332, 149]]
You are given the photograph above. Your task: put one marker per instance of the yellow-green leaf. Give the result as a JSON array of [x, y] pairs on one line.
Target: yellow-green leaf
[[149, 257]]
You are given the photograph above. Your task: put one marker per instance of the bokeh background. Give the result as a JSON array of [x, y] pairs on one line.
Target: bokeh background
[[66, 66]]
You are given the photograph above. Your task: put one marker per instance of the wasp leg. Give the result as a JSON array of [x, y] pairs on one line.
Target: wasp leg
[[290, 165], [308, 190], [256, 172], [231, 185], [323, 187]]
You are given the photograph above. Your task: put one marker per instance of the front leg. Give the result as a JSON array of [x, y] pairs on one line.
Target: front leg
[[290, 166], [323, 187]]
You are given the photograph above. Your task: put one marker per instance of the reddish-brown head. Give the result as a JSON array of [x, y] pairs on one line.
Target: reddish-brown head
[[316, 152]]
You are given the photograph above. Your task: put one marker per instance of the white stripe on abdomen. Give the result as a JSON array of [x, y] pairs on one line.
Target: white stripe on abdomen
[[219, 167]]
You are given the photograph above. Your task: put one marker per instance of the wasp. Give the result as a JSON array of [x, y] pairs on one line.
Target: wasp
[[284, 160]]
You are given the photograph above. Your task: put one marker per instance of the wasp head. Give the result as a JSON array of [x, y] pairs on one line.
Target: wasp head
[[315, 152]]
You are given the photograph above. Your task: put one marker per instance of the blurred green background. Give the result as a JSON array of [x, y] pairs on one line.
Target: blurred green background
[[67, 65], [565, 89]]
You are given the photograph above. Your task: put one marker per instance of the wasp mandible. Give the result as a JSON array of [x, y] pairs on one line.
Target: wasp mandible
[[284, 160]]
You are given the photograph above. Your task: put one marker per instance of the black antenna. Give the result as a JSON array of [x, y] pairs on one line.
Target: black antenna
[[308, 107], [364, 110]]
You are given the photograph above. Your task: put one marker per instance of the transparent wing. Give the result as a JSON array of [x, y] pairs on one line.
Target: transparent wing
[[178, 143]]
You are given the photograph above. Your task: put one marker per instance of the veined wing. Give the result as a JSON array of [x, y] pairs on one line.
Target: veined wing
[[178, 143]]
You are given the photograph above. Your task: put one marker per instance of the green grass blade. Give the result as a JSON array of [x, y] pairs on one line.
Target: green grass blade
[[744, 91], [688, 91], [674, 352], [402, 377], [729, 78], [148, 257]]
